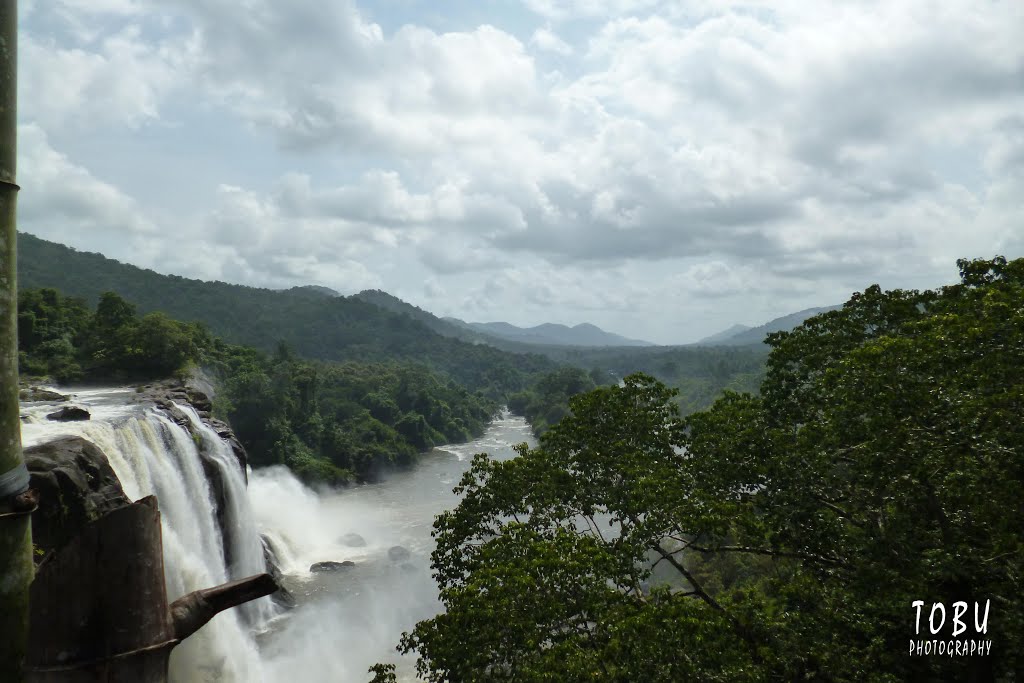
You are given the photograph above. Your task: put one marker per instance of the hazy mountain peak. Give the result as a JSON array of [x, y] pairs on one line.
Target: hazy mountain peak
[[725, 334], [556, 334], [744, 335], [313, 289]]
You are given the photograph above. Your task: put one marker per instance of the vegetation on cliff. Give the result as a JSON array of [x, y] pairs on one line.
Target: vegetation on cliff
[[338, 421], [61, 337]]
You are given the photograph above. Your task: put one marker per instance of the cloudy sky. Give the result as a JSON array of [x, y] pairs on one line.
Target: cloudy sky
[[661, 169]]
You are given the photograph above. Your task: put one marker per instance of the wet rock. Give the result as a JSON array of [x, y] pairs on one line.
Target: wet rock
[[199, 382], [225, 432], [69, 414], [40, 394], [353, 540], [196, 391], [331, 566], [397, 553], [76, 485], [199, 400], [283, 597]]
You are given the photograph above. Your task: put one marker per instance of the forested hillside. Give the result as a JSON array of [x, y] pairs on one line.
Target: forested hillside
[[443, 327], [311, 324]]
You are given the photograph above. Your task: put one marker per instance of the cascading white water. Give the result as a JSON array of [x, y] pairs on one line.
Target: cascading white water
[[351, 618], [153, 455]]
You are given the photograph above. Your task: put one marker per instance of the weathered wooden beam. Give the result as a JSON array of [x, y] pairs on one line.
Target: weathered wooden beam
[[99, 607], [190, 612], [100, 599]]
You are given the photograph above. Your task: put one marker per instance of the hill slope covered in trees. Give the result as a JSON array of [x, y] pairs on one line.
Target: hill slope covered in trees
[[310, 323]]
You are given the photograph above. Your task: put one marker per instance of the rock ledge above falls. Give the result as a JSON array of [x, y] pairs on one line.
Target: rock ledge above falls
[[76, 485], [198, 393]]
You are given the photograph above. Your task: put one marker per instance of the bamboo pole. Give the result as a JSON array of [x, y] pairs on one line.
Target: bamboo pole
[[15, 531]]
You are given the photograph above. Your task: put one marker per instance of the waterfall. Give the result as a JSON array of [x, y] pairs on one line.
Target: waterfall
[[343, 621], [151, 454]]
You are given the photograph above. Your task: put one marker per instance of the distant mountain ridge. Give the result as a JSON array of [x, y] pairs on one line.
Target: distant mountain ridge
[[501, 334], [316, 290], [741, 335], [441, 326], [726, 334], [552, 334]]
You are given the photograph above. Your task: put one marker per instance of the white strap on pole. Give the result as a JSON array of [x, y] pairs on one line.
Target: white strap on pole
[[14, 482]]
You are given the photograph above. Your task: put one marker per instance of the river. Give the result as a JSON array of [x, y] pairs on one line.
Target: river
[[351, 618]]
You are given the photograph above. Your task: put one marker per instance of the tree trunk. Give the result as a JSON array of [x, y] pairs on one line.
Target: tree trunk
[[15, 532]]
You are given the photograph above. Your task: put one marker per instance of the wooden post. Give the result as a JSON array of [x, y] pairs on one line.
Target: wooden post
[[190, 612], [99, 609], [15, 531]]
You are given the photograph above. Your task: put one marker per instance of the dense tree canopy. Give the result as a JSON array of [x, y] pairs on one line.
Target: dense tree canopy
[[700, 373], [547, 401], [60, 337], [775, 537], [335, 422]]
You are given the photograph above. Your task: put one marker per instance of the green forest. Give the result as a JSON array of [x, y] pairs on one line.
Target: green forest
[[774, 537], [335, 422]]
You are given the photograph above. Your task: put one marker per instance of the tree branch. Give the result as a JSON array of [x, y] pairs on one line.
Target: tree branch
[[772, 553]]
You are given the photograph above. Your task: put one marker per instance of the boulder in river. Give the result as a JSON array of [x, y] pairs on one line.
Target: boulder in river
[[40, 394], [69, 414], [398, 553], [353, 540], [331, 566]]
